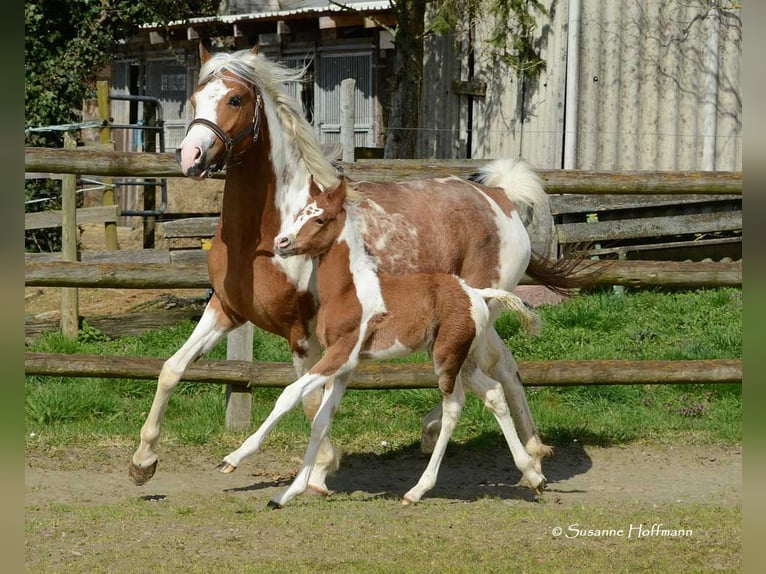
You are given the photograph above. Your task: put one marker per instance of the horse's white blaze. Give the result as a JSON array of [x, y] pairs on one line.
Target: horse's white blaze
[[199, 136]]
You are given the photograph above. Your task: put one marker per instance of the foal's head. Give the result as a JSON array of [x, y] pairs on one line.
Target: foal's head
[[317, 226]]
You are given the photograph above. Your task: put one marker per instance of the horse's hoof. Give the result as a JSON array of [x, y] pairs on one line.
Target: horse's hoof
[[274, 505], [226, 468], [540, 487], [139, 474], [407, 501]]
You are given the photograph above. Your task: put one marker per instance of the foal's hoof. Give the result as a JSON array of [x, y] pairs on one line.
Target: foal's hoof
[[141, 474], [226, 468], [273, 505]]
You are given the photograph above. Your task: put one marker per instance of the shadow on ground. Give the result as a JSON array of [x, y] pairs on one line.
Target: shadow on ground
[[479, 468]]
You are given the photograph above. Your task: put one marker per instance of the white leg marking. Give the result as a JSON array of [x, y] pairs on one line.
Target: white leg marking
[[451, 409], [204, 337], [491, 393], [290, 397], [320, 426]]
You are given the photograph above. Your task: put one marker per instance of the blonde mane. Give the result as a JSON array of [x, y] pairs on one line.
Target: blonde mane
[[269, 78]]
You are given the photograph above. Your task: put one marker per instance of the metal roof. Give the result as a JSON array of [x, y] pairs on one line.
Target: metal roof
[[290, 9]]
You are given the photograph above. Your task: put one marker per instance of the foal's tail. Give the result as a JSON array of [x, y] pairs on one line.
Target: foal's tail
[[530, 320], [525, 188]]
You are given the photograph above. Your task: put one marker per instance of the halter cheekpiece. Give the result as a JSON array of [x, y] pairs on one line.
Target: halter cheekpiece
[[230, 142]]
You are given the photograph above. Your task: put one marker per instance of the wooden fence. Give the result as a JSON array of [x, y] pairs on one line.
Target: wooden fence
[[162, 269]]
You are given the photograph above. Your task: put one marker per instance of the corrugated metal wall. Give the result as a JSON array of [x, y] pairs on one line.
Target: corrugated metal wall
[[644, 97]]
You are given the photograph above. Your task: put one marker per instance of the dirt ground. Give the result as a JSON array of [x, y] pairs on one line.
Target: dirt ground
[[576, 475], [84, 514]]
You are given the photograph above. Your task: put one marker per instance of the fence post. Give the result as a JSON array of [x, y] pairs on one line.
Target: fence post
[[105, 138], [239, 400], [70, 310], [347, 118]]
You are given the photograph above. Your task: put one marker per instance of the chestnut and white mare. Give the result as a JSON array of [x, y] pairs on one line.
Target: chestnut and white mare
[[367, 315], [246, 123]]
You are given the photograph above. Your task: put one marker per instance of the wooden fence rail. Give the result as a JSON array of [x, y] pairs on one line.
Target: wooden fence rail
[[122, 271], [125, 164], [393, 376], [126, 275]]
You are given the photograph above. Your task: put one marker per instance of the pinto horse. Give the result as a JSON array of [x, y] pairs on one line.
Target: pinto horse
[[364, 314], [246, 123]]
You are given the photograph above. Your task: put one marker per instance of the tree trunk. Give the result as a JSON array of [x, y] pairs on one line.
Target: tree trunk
[[404, 115]]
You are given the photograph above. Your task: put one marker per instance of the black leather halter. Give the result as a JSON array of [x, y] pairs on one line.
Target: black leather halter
[[229, 142]]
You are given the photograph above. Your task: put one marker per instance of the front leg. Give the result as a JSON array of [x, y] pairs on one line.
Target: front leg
[[320, 426], [287, 400], [306, 355], [211, 328]]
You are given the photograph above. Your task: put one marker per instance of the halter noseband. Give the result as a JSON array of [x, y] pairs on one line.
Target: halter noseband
[[229, 142]]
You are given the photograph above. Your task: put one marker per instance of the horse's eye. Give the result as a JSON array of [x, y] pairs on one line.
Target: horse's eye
[[319, 221], [235, 101]]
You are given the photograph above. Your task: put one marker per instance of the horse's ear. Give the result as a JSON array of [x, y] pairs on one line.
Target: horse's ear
[[314, 190], [204, 55]]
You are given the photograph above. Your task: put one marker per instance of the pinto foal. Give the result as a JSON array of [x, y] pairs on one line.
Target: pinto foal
[[364, 314]]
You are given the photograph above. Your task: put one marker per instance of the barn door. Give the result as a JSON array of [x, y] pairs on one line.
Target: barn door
[[333, 69]]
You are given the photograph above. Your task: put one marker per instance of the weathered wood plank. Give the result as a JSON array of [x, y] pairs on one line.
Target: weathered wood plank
[[122, 325], [393, 376], [649, 227], [122, 275], [53, 218], [677, 274], [104, 256], [586, 203], [85, 162], [91, 162], [190, 227], [194, 275], [665, 246], [138, 256]]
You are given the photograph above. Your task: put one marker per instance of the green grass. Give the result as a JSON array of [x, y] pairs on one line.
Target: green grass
[[604, 325]]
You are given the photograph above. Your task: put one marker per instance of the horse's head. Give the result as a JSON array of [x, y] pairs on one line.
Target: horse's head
[[317, 226], [227, 110]]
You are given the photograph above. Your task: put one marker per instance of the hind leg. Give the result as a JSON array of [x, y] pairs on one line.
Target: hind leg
[[211, 328], [451, 407], [493, 397], [497, 361]]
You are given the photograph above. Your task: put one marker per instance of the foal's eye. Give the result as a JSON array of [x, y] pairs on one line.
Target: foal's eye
[[235, 101], [319, 221]]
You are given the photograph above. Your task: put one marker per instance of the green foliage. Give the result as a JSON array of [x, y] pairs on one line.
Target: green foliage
[[511, 40], [65, 44]]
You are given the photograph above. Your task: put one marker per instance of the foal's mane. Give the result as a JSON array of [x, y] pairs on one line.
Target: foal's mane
[[269, 77]]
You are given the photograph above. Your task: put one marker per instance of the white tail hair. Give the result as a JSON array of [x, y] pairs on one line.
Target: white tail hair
[[530, 320], [525, 188]]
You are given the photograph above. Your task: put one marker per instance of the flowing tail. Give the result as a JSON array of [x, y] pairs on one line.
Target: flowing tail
[[525, 188], [530, 320]]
